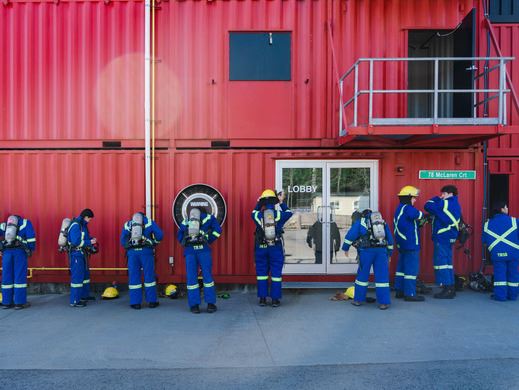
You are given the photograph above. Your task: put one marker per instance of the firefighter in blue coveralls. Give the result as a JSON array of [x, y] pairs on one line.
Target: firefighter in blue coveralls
[[407, 236], [372, 238], [196, 234], [501, 235], [81, 245], [18, 244], [139, 237], [268, 250], [446, 211]]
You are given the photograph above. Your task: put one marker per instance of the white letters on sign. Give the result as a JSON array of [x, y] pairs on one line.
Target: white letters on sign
[[307, 189]]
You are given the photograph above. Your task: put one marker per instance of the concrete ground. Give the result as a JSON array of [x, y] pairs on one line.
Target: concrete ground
[[309, 342]]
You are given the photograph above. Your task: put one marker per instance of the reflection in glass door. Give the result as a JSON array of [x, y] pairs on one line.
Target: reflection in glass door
[[323, 196]]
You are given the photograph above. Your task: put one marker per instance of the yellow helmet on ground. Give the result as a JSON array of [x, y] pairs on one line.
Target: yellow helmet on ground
[[409, 191], [171, 291], [268, 194], [350, 292], [110, 293], [1, 297]]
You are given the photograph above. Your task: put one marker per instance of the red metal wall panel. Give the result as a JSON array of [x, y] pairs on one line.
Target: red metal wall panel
[[58, 184], [71, 71]]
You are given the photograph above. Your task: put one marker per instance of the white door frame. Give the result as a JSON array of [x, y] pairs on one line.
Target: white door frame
[[326, 165]]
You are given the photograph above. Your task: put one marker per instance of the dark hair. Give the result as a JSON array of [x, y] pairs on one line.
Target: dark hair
[[405, 199], [497, 206], [87, 213], [450, 189]]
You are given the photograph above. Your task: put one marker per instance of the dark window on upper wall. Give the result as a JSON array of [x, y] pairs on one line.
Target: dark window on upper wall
[[259, 56], [504, 11]]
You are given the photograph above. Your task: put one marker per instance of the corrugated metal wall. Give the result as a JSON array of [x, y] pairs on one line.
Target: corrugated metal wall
[[57, 184]]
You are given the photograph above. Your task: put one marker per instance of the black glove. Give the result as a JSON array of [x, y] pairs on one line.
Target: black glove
[[27, 251], [1, 246]]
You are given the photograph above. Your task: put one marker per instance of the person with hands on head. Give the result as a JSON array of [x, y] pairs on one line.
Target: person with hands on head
[[374, 242], [81, 244], [446, 212], [139, 237], [268, 244], [196, 234]]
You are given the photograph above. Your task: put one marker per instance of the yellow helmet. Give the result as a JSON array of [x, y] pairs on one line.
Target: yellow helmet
[[350, 292], [409, 191], [110, 293], [1, 297], [268, 194], [171, 291]]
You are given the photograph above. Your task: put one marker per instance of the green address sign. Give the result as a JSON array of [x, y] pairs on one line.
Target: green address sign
[[447, 175]]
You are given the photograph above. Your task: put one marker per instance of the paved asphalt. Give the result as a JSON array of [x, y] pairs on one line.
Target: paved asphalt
[[309, 342]]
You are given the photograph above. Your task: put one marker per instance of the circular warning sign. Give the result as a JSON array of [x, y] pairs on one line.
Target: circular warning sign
[[202, 196]]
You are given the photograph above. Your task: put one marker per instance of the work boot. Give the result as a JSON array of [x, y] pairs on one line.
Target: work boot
[[448, 292], [399, 294], [276, 302], [153, 305], [263, 302], [383, 306], [195, 309], [211, 308], [78, 304], [137, 306], [89, 298], [356, 303], [5, 307], [22, 306], [414, 298]]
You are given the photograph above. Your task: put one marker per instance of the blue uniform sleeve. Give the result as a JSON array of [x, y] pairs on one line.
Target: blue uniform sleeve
[[351, 236], [389, 239], [2, 229], [412, 213], [435, 207], [125, 234], [286, 213], [256, 217], [74, 234], [216, 230], [30, 237], [158, 235]]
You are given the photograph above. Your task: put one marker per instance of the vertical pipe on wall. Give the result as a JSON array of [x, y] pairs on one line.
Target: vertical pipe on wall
[[152, 109], [147, 106]]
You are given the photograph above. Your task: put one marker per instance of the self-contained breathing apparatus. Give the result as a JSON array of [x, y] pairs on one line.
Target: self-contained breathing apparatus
[[137, 238], [267, 234], [64, 244], [11, 237], [195, 236], [376, 231]]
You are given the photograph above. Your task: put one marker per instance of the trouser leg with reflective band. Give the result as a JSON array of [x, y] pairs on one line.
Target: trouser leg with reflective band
[[85, 291], [20, 277], [500, 283], [134, 277], [381, 270], [366, 259], [193, 291], [399, 274], [150, 284], [206, 264], [513, 279], [276, 259], [262, 271], [77, 275], [7, 277], [411, 265], [443, 270]]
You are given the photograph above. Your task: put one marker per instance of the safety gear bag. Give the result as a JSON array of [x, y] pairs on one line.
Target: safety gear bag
[[464, 232]]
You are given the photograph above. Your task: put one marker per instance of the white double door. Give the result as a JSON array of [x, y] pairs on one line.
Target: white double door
[[323, 196]]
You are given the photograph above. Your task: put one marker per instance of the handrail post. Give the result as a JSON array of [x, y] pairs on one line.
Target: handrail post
[[370, 115], [355, 96], [501, 89], [341, 107], [435, 100]]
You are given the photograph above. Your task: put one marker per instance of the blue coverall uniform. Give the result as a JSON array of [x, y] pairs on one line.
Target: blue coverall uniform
[[199, 255], [270, 258], [80, 244], [14, 264], [142, 257], [445, 228], [501, 236], [376, 256], [407, 237]]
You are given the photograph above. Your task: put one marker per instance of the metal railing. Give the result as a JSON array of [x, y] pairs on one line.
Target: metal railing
[[498, 93]]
